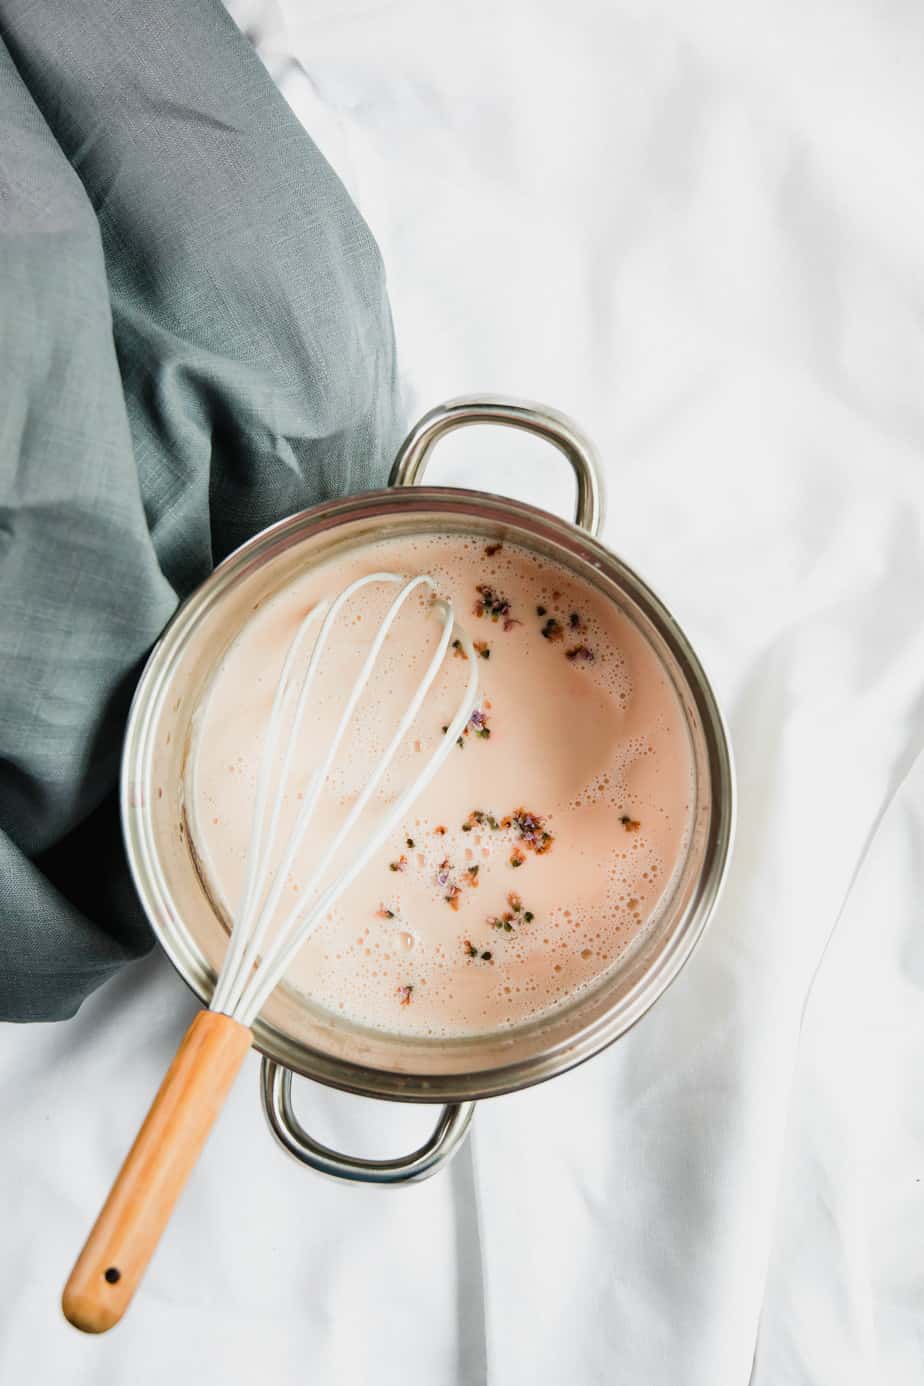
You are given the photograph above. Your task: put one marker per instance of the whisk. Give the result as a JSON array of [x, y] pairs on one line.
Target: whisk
[[125, 1235]]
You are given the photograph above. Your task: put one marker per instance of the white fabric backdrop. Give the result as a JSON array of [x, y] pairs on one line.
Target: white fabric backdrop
[[700, 230]]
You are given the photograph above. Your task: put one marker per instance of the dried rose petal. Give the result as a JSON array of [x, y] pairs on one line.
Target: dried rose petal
[[490, 603], [442, 875]]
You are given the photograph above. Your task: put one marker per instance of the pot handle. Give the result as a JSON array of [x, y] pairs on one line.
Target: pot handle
[[414, 452], [450, 1132]]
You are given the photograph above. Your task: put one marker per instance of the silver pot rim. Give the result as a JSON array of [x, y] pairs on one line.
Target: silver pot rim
[[178, 940]]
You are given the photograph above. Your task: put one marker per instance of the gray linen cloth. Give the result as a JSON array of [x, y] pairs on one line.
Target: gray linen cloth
[[195, 341]]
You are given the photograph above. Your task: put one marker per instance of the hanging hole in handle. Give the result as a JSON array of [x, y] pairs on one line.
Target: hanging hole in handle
[[411, 460]]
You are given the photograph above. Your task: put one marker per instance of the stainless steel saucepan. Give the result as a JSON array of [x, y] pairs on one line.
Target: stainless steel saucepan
[[294, 1035]]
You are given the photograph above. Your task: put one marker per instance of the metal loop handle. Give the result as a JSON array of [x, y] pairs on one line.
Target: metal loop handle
[[555, 428], [450, 1132]]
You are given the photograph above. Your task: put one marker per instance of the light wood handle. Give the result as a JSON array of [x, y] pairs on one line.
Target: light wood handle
[[110, 1266]]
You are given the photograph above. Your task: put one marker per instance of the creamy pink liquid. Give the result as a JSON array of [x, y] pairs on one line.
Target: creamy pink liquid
[[587, 736]]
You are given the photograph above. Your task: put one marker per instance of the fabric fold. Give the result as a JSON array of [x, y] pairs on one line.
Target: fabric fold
[[195, 341]]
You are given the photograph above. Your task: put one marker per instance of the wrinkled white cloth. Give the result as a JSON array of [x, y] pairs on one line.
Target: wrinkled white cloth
[[700, 231]]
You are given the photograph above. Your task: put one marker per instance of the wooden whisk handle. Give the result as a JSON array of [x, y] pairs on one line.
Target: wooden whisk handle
[[110, 1266]]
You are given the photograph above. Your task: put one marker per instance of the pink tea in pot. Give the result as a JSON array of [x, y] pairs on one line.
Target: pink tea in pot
[[542, 850]]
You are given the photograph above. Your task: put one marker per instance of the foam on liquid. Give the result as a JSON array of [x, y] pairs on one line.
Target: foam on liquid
[[596, 747]]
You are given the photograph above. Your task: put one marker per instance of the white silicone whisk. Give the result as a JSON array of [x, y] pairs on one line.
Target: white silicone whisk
[[125, 1234], [246, 978]]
